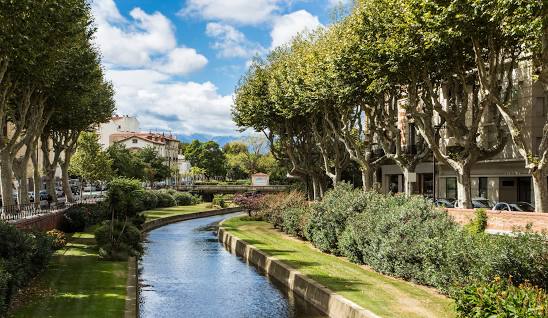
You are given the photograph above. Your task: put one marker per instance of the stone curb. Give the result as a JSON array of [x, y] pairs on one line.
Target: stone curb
[[325, 300]]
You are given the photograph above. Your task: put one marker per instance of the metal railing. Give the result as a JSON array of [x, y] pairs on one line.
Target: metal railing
[[14, 213]]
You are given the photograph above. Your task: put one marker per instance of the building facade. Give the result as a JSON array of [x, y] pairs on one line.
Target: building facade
[[501, 178]]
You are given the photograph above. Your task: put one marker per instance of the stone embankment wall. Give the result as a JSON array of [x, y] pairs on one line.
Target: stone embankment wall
[[498, 221], [322, 298]]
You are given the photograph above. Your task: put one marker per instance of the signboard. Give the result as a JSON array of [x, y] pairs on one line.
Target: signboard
[[260, 180]]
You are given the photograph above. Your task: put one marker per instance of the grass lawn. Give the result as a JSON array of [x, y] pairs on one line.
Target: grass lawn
[[177, 210], [383, 295], [77, 283]]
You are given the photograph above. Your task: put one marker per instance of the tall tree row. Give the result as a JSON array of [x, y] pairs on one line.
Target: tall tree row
[[449, 69], [51, 87]]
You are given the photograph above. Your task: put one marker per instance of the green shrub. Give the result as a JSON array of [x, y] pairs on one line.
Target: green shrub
[[5, 278], [22, 256], [150, 200], [59, 239], [295, 221], [165, 200], [125, 240], [184, 198], [479, 223], [77, 217], [401, 237], [219, 200], [501, 298], [125, 197], [328, 217]]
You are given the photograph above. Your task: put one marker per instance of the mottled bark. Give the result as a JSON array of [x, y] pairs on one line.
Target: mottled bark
[[6, 178]]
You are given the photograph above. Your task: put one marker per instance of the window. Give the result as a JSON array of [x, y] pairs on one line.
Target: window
[[134, 141], [508, 183], [483, 192], [451, 188]]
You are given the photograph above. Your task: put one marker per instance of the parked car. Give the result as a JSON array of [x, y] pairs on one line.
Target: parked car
[[446, 203], [515, 207], [478, 203]]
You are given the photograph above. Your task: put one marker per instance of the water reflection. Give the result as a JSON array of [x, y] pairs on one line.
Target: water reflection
[[186, 272]]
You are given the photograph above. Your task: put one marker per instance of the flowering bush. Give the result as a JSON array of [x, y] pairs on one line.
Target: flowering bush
[[252, 202], [59, 239]]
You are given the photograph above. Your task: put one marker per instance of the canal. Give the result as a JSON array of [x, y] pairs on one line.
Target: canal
[[186, 272]]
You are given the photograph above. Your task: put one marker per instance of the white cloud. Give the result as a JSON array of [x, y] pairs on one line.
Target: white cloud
[[230, 42], [288, 26], [145, 40], [182, 107], [181, 61], [240, 11]]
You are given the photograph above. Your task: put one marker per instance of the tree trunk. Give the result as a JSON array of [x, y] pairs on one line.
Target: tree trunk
[[540, 187], [21, 175], [409, 187], [65, 181], [50, 185], [6, 177], [36, 178], [464, 188], [316, 188], [367, 179]]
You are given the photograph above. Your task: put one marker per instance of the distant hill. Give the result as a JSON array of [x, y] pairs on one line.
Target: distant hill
[[221, 140]]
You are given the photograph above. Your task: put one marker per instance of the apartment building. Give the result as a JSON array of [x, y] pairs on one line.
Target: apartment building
[[501, 178]]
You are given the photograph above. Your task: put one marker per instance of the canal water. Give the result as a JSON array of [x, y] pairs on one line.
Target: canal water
[[186, 272]]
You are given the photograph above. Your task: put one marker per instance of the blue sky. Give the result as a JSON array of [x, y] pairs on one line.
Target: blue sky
[[175, 63]]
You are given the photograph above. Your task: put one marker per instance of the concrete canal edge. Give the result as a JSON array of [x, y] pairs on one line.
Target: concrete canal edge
[[132, 288], [325, 300]]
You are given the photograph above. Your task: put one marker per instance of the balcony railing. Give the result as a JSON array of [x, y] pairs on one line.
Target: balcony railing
[[14, 213]]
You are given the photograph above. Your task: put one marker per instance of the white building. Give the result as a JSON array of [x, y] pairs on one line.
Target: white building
[[117, 124]]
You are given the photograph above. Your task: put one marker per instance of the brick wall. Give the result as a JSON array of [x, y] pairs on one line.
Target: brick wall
[[44, 222], [503, 221]]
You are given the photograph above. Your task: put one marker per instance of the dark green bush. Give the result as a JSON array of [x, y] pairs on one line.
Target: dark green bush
[[125, 197], [5, 278], [196, 199], [124, 242], [219, 200], [165, 200], [184, 198], [150, 200], [22, 256], [295, 221], [501, 298], [328, 217], [77, 217]]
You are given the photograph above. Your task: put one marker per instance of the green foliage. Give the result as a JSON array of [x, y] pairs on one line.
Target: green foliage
[[90, 162], [295, 221], [125, 197], [126, 163], [219, 200], [501, 298], [479, 223], [165, 200], [22, 256], [155, 168], [59, 239], [77, 217], [328, 217], [207, 156], [149, 199], [273, 206], [118, 240]]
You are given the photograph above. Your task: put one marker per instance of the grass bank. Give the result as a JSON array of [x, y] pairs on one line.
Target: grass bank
[[177, 210], [77, 283], [383, 295]]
